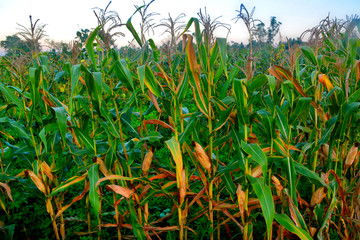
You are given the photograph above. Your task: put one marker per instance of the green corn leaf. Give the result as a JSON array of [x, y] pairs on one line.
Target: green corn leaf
[[291, 174], [264, 195], [110, 122], [258, 82], [65, 185], [189, 128], [282, 123], [309, 54], [301, 107], [98, 85], [257, 155], [43, 138], [61, 120], [183, 87], [326, 219], [354, 97], [89, 45], [11, 96], [155, 50], [151, 82], [214, 53], [286, 222], [19, 129], [141, 75], [93, 174], [136, 226], [175, 150], [241, 98], [229, 184], [267, 124], [122, 72], [88, 142], [131, 28], [222, 48], [301, 169], [75, 75]]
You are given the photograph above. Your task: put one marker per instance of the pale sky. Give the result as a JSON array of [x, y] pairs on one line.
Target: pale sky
[[64, 18]]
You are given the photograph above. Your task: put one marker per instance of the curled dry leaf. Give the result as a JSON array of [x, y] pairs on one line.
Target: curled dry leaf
[[47, 170], [277, 184], [7, 189], [350, 158], [318, 196], [241, 199], [312, 231], [38, 182], [120, 190], [253, 139], [202, 156], [147, 160], [324, 79], [102, 166]]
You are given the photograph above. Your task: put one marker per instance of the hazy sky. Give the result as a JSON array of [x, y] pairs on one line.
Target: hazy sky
[[65, 17]]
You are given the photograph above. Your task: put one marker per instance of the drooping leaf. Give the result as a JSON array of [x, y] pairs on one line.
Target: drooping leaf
[[286, 222], [89, 45]]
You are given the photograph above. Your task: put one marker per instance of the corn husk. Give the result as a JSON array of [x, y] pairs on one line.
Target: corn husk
[[256, 172], [102, 167], [147, 161], [326, 149], [318, 196], [182, 189], [202, 157], [350, 158]]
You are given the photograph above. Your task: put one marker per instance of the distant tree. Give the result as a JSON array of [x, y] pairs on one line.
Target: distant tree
[[260, 33], [14, 45], [273, 29], [267, 35], [82, 35]]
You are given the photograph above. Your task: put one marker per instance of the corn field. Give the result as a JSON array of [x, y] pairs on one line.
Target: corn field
[[183, 144]]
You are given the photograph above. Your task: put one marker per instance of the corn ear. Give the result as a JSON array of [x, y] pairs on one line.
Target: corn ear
[[241, 200], [256, 172], [147, 160], [318, 196], [350, 158], [182, 189], [326, 150], [202, 156]]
